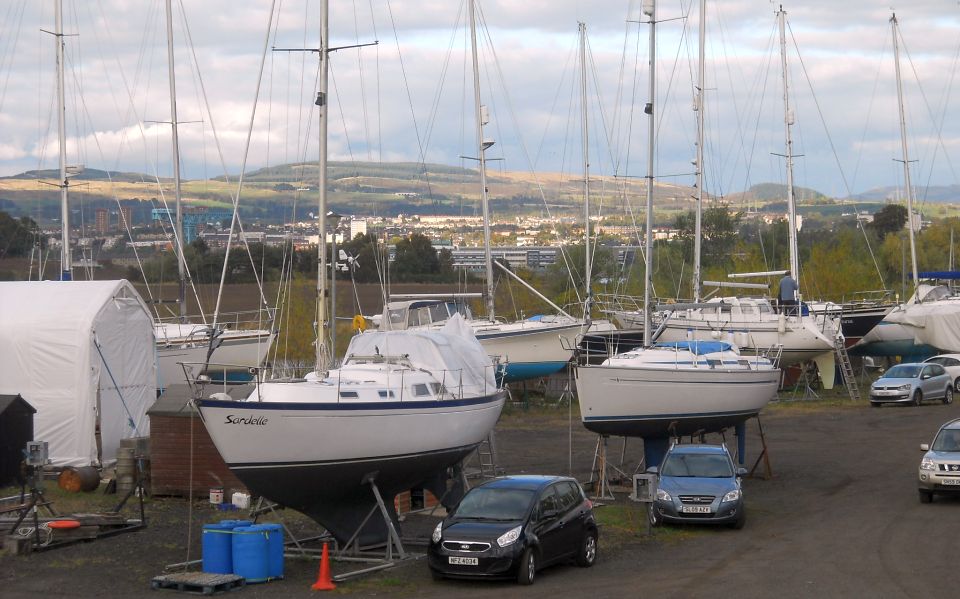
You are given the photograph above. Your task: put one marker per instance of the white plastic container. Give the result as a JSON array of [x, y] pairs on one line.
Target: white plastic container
[[241, 500]]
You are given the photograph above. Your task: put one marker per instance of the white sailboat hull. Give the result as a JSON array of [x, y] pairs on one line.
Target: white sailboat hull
[[658, 402], [315, 457], [530, 349]]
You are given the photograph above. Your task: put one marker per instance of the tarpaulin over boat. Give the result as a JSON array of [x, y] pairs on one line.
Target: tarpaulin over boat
[[82, 353], [452, 352]]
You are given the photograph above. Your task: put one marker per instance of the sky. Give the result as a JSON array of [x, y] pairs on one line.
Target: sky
[[410, 98]]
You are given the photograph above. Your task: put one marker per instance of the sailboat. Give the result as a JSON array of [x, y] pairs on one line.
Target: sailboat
[[180, 341], [664, 390], [526, 349], [930, 320], [751, 322], [402, 409]]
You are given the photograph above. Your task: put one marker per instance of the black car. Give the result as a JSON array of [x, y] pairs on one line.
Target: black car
[[511, 527]]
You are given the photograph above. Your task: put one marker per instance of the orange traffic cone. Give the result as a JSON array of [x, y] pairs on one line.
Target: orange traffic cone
[[324, 580]]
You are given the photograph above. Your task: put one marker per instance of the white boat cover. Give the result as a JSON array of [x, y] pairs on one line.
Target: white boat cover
[[452, 353], [82, 354], [935, 321]]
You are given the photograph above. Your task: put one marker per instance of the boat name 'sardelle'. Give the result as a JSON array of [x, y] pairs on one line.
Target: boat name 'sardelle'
[[259, 420]]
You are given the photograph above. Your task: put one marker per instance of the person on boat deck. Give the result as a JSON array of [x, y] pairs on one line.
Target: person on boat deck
[[788, 294]]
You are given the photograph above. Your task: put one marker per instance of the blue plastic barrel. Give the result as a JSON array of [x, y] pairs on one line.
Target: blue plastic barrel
[[235, 523], [217, 549], [250, 558], [274, 549]]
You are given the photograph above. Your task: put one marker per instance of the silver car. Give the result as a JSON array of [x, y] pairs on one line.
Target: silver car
[[912, 383], [950, 363], [940, 466]]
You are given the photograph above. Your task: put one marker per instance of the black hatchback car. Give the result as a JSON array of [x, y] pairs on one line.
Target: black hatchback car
[[511, 527]]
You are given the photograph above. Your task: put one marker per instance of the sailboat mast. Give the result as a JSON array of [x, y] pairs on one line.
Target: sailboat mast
[[649, 9], [323, 350], [178, 240], [698, 106], [588, 266], [481, 148], [65, 258], [906, 156], [787, 124]]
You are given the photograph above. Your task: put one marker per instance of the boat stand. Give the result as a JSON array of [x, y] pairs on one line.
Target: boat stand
[[352, 551], [598, 470], [764, 456]]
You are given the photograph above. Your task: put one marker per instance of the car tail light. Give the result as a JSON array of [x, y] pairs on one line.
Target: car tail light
[[588, 503]]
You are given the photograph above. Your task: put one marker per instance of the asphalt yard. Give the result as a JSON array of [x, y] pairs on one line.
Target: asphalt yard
[[839, 517]]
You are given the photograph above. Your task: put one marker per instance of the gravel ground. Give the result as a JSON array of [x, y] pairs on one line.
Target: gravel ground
[[840, 517]]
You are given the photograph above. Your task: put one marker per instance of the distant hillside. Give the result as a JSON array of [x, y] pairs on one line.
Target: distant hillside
[[940, 194], [307, 171], [89, 174], [772, 192]]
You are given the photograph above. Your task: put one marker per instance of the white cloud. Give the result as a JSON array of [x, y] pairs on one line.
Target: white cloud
[[846, 49]]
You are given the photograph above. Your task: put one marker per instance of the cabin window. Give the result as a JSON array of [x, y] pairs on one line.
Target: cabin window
[[349, 395], [396, 316], [385, 393], [421, 390], [438, 313], [438, 389]]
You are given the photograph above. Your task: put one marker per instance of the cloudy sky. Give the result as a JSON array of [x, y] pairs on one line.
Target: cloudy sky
[[410, 98]]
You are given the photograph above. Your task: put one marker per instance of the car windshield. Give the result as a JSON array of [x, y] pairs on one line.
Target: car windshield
[[491, 503], [947, 440], [903, 371], [700, 465]]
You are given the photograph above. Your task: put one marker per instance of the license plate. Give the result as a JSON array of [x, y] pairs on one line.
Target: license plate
[[951, 481], [695, 509], [464, 561]]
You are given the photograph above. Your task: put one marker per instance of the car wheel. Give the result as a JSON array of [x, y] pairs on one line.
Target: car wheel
[[948, 395], [926, 497], [956, 384], [741, 519], [654, 516], [588, 550], [528, 567], [917, 397]]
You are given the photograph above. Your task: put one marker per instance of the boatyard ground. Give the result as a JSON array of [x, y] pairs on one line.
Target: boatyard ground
[[840, 517]]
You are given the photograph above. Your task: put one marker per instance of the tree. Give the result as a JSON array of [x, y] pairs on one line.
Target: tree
[[718, 235], [416, 259], [889, 219], [16, 236]]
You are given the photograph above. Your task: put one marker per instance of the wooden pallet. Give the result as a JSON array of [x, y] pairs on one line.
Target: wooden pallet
[[198, 582]]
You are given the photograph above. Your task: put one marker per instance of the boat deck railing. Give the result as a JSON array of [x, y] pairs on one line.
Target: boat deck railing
[[243, 320], [200, 376]]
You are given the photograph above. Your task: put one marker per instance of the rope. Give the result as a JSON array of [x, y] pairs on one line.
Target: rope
[[123, 402]]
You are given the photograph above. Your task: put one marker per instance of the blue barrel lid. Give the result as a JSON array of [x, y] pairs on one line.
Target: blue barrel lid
[[217, 527]]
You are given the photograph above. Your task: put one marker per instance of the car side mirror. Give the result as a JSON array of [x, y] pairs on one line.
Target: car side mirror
[[741, 471], [924, 447], [653, 470]]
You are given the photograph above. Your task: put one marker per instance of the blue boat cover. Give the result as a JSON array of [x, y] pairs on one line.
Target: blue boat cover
[[697, 347], [951, 275]]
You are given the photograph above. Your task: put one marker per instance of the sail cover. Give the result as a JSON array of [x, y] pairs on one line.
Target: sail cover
[[82, 353]]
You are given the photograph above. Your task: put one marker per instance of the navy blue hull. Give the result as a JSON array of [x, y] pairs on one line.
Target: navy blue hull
[[335, 493], [666, 426]]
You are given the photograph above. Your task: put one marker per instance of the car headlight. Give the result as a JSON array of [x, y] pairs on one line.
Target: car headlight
[[509, 537], [732, 495], [663, 495], [927, 464], [906, 387], [437, 533]]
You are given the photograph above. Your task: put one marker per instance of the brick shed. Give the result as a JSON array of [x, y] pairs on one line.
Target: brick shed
[[171, 420]]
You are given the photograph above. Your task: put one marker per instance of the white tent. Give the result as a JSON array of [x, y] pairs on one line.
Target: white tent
[[82, 353]]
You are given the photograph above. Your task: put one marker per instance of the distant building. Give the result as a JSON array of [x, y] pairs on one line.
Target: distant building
[[125, 218], [103, 221], [358, 226]]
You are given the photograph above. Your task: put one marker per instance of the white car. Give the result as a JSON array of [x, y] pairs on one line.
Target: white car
[[950, 363]]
